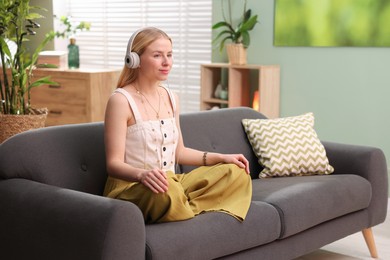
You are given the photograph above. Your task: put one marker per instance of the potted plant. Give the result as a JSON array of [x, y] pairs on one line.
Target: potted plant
[[17, 68], [236, 32]]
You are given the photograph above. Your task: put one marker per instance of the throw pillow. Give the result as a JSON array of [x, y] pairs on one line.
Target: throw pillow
[[287, 146]]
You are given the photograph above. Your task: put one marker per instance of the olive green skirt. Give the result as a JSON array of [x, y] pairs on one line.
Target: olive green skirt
[[223, 187]]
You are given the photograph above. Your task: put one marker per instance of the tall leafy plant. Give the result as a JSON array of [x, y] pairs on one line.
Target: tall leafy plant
[[17, 23], [236, 32]]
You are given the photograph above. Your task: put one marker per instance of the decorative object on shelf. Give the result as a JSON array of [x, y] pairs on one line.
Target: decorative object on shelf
[[237, 34], [70, 32], [223, 94], [73, 54], [217, 91], [256, 101], [16, 24]]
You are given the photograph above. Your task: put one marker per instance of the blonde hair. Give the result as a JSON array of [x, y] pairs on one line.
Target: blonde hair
[[143, 39]]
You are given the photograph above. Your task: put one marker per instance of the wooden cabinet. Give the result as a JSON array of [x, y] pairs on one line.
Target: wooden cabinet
[[240, 86], [80, 97]]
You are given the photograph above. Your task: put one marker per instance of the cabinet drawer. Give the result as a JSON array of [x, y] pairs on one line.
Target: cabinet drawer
[[68, 91], [64, 114], [67, 102]]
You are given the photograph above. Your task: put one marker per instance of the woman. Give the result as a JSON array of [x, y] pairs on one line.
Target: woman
[[144, 143]]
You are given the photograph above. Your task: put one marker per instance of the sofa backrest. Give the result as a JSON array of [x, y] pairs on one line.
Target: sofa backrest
[[220, 131], [73, 156], [68, 156]]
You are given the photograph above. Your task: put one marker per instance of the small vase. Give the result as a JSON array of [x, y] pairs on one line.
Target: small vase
[[218, 90], [223, 94], [73, 55]]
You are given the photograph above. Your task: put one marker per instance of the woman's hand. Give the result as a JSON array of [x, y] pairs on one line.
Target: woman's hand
[[237, 159], [155, 179]]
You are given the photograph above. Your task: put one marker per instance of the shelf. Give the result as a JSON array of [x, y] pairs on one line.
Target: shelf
[[239, 86]]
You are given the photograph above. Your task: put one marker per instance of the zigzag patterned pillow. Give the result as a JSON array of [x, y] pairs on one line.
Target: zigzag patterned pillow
[[287, 146]]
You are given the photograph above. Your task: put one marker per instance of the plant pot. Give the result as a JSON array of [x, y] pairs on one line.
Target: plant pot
[[11, 125], [236, 53]]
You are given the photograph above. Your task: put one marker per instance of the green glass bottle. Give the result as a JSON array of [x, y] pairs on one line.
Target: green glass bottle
[[73, 55]]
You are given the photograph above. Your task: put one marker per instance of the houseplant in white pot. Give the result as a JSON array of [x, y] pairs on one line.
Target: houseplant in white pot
[[17, 68], [235, 34]]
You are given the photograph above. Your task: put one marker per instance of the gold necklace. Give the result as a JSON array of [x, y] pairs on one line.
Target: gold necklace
[[150, 104], [166, 107]]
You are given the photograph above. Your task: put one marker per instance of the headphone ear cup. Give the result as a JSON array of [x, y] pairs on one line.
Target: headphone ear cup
[[132, 60], [136, 60]]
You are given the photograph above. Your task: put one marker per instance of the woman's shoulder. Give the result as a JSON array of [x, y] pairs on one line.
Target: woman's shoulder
[[118, 107], [117, 98]]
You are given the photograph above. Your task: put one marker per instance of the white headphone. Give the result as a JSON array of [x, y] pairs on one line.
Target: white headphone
[[132, 59]]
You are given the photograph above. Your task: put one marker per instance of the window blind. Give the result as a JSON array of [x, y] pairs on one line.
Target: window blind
[[188, 23]]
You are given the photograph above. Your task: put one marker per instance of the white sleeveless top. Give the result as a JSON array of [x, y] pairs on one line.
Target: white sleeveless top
[[151, 143]]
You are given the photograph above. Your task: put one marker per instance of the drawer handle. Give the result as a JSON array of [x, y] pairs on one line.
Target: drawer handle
[[56, 112], [54, 86]]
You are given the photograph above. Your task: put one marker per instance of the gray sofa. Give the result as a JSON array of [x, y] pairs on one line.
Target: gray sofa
[[52, 179]]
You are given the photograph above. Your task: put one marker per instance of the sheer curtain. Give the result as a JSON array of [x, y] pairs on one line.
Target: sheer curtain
[[113, 21]]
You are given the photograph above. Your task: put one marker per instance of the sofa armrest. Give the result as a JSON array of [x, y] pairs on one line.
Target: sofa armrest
[[368, 162], [40, 221]]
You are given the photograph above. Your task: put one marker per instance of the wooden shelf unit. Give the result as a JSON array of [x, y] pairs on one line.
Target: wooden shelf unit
[[239, 86], [80, 97]]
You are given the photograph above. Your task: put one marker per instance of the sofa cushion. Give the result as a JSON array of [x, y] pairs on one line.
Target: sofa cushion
[[287, 146], [304, 202], [211, 235]]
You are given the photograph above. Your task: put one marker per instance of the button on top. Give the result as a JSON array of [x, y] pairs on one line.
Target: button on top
[[162, 122]]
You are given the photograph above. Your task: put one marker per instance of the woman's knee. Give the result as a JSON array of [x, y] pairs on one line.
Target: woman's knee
[[233, 169]]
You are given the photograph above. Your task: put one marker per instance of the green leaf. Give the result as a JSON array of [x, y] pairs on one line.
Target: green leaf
[[4, 47], [42, 81], [47, 65], [222, 44], [247, 15], [222, 33], [245, 39], [249, 25], [219, 24], [32, 16], [49, 37]]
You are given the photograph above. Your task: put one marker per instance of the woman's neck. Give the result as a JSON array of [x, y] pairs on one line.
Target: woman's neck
[[146, 87]]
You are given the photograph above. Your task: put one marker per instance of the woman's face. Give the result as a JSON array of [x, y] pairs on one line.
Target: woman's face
[[156, 60]]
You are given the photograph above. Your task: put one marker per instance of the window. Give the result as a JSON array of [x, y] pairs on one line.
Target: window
[[188, 23]]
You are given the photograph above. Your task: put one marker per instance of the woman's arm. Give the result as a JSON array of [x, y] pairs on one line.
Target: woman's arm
[[117, 118], [189, 156]]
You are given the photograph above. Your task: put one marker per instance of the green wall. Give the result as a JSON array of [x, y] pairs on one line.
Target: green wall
[[347, 88], [46, 24]]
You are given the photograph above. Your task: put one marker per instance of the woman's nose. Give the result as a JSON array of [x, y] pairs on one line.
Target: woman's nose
[[166, 60]]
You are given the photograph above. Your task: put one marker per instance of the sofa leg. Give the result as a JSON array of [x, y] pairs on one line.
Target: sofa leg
[[369, 237]]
